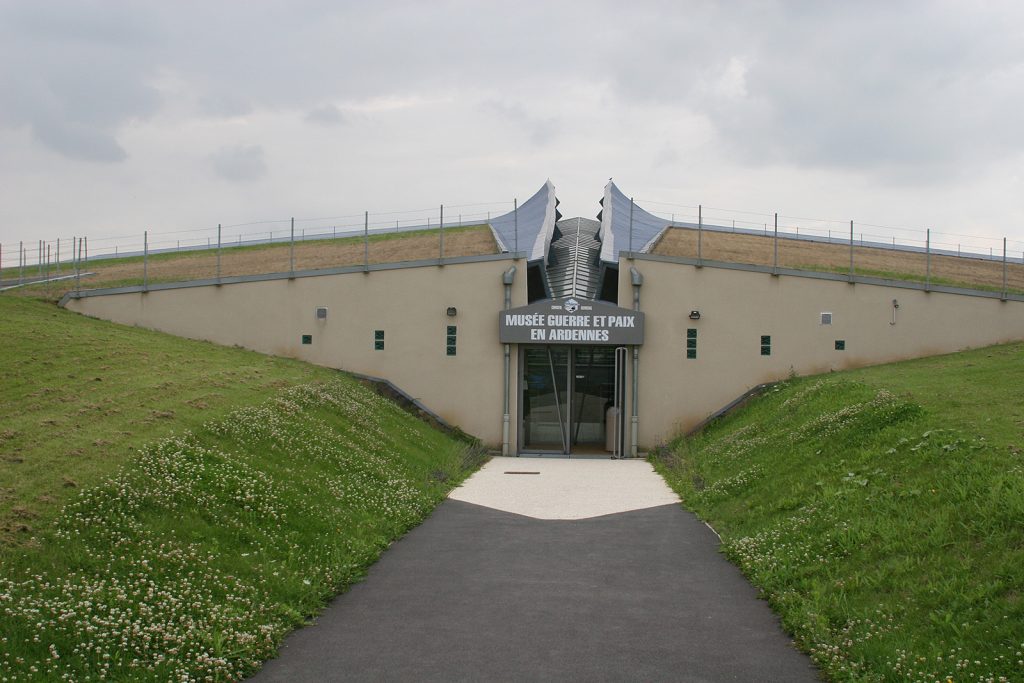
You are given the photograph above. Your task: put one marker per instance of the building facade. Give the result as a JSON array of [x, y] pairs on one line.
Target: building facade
[[581, 341]]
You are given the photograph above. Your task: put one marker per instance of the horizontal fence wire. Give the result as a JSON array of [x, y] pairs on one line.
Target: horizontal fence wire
[[28, 261]]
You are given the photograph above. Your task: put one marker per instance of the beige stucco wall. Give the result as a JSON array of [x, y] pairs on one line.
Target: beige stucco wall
[[409, 304], [737, 307]]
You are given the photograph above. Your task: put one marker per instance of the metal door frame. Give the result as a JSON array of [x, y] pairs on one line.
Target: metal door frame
[[565, 418], [619, 400]]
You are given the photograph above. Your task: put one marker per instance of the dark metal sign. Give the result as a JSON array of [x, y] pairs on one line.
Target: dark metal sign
[[571, 321]]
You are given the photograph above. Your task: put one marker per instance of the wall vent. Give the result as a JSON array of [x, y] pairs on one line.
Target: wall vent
[[826, 318], [321, 313]]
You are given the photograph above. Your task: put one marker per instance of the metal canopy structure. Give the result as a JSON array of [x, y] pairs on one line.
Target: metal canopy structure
[[625, 226], [531, 227], [574, 259]]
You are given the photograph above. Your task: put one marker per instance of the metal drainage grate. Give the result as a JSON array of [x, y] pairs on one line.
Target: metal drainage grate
[[522, 472]]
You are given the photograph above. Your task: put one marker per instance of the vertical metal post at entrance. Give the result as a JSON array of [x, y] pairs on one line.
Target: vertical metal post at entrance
[[507, 278], [145, 259], [441, 257], [638, 280], [291, 251], [76, 251], [366, 242], [619, 392]]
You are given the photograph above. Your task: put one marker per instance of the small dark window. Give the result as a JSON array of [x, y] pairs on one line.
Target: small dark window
[[307, 339], [691, 343], [766, 345], [450, 340], [840, 344], [378, 340]]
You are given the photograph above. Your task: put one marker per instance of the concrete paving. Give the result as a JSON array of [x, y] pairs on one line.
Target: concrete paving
[[525, 586], [565, 489]]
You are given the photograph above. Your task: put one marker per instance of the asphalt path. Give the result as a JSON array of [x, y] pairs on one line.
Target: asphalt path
[[481, 594]]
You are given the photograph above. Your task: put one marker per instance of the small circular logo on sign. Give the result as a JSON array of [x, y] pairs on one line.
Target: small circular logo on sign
[[571, 306]]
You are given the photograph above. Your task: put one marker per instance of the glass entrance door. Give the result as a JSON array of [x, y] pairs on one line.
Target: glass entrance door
[[592, 395], [566, 396], [545, 382]]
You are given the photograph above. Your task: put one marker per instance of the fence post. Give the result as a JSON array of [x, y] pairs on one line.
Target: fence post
[[85, 240], [21, 262], [441, 228], [39, 259], [145, 260], [1004, 269], [851, 252], [366, 242], [218, 252], [700, 235], [291, 251], [515, 221], [57, 260], [631, 225], [77, 249], [928, 260], [775, 246]]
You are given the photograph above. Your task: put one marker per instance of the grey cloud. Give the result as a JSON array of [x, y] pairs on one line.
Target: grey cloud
[[326, 115], [224, 105], [80, 142], [540, 130], [240, 163], [913, 90], [75, 75], [909, 92]]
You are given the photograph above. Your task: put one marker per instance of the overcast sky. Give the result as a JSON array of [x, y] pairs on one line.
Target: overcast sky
[[121, 116]]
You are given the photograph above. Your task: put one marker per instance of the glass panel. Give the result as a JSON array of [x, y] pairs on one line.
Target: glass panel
[[545, 374], [593, 393]]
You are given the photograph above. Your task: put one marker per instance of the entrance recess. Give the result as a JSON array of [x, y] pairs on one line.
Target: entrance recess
[[571, 400]]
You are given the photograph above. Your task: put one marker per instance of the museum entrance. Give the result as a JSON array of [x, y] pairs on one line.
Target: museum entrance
[[572, 400]]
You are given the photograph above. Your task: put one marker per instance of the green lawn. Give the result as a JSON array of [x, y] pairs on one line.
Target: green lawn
[[172, 508], [78, 396], [881, 512]]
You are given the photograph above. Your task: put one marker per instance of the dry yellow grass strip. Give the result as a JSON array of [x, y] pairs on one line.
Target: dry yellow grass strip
[[199, 265], [806, 255]]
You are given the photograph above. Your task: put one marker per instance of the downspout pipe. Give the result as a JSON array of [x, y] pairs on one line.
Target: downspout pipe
[[507, 278], [638, 280]]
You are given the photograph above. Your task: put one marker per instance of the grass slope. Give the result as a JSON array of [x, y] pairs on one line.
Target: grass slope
[[78, 396], [227, 527], [881, 512]]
